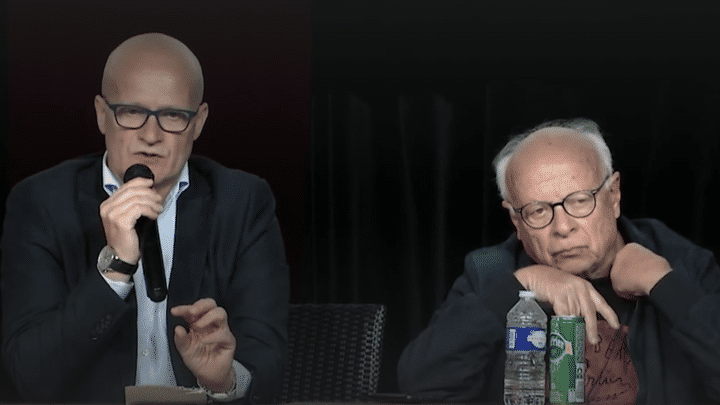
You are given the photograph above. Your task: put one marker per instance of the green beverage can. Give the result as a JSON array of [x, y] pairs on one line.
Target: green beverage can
[[567, 359]]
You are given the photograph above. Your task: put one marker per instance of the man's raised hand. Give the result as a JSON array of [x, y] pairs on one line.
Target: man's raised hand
[[636, 270], [208, 346]]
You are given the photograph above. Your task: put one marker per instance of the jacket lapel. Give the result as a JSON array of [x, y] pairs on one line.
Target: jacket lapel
[[189, 259], [90, 194]]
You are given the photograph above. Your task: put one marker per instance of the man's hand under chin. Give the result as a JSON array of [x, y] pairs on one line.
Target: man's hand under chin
[[569, 295], [636, 270]]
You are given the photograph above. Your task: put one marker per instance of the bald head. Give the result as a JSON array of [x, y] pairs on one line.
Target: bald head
[[578, 139], [538, 158], [153, 51]]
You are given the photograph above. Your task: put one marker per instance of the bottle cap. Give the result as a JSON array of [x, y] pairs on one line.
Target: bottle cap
[[526, 294]]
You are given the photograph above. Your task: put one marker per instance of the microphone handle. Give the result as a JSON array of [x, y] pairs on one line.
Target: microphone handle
[[149, 239], [151, 252]]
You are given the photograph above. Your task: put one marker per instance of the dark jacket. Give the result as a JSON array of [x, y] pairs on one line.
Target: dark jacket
[[674, 338], [68, 337]]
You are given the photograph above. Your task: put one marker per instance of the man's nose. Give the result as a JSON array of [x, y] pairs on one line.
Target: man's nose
[[563, 223], [151, 132]]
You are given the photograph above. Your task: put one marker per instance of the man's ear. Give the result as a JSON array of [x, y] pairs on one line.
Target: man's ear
[[101, 112], [515, 218], [200, 118], [615, 193]]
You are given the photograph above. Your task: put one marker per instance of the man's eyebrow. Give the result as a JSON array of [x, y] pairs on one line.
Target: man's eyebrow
[[560, 200], [131, 105], [140, 105]]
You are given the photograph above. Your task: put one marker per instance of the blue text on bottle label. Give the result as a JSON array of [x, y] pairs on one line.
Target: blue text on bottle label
[[524, 339]]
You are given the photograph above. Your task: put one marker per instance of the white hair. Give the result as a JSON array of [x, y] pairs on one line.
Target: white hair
[[583, 126]]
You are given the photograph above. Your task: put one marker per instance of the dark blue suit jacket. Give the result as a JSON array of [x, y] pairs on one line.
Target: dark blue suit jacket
[[68, 337], [674, 338]]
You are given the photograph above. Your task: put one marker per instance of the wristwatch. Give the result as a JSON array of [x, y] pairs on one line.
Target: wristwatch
[[109, 261]]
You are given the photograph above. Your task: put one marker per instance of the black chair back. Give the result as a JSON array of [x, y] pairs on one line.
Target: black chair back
[[334, 352]]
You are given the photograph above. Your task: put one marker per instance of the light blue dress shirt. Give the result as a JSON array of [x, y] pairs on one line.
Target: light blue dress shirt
[[153, 363]]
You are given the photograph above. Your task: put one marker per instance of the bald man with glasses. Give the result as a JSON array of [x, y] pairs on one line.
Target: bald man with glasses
[[78, 325], [649, 297]]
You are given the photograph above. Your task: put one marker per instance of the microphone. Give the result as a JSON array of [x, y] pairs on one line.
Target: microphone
[[149, 238]]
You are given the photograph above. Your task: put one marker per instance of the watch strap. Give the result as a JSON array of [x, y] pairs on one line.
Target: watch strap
[[122, 267]]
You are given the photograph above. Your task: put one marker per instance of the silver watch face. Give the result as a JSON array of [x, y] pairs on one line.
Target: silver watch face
[[106, 256]]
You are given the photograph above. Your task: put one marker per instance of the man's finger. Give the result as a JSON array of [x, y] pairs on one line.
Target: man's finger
[[182, 339], [605, 310], [561, 308], [191, 313], [139, 182], [135, 187], [588, 311], [132, 210], [205, 304], [216, 317], [591, 329], [132, 206], [184, 311]]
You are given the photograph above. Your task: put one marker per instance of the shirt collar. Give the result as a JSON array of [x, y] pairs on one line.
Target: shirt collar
[[112, 183]]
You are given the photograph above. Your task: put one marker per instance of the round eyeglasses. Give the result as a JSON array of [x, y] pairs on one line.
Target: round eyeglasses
[[134, 117], [580, 204]]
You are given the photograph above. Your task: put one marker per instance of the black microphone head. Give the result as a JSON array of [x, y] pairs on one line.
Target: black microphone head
[[138, 170], [157, 294]]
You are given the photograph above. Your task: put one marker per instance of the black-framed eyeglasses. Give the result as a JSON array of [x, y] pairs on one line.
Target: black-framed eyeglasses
[[580, 204], [171, 120]]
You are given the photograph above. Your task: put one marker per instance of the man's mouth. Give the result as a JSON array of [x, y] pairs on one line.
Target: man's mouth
[[569, 253]]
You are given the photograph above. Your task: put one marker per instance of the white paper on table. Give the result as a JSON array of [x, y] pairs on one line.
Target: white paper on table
[[161, 394]]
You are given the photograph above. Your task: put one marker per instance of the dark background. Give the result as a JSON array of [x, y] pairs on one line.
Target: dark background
[[412, 100], [375, 121]]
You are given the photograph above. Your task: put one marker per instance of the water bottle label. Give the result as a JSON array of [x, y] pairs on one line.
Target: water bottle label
[[524, 339]]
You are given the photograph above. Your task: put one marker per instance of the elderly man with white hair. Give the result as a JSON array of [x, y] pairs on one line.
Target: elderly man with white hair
[[649, 297]]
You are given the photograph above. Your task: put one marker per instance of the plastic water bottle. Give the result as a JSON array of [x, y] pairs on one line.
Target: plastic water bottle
[[525, 349]]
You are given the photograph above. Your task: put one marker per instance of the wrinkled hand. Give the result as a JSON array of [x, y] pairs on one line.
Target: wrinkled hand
[[208, 347], [569, 295], [120, 212], [636, 270]]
